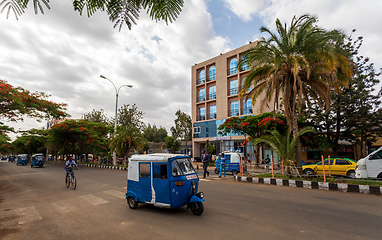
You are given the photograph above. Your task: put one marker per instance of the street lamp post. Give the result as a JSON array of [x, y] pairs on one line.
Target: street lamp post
[[116, 108]]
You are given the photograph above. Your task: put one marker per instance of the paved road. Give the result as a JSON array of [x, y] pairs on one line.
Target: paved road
[[35, 204]]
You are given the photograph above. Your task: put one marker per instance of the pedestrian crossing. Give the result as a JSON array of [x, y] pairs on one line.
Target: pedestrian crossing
[[25, 215]]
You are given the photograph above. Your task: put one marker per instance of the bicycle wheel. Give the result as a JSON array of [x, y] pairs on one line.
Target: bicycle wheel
[[74, 182], [67, 181]]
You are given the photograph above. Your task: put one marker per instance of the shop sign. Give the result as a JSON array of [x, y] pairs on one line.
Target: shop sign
[[221, 138]]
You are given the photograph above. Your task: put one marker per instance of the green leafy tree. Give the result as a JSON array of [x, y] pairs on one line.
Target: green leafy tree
[[130, 116], [283, 144], [301, 63], [172, 144], [154, 134], [120, 12], [16, 102], [183, 127], [78, 136], [127, 139], [96, 116], [31, 141], [354, 114]]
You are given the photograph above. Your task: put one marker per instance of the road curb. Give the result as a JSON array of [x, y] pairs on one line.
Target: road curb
[[344, 187], [106, 167]]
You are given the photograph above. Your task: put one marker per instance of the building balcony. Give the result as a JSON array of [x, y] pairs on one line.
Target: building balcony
[[211, 96], [200, 117], [200, 81], [233, 112], [233, 91], [211, 78], [232, 71], [246, 110], [200, 99], [212, 116]]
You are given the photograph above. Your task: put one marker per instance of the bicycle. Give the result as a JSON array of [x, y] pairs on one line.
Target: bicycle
[[71, 180]]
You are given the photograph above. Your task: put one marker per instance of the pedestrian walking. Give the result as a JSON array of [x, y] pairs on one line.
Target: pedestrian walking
[[206, 160], [222, 165], [266, 161]]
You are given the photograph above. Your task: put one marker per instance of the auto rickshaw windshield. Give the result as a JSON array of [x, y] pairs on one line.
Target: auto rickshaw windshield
[[181, 167]]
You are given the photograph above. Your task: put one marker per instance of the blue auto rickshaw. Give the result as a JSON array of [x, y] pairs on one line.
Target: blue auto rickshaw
[[11, 158], [37, 160], [164, 180], [232, 162], [22, 159]]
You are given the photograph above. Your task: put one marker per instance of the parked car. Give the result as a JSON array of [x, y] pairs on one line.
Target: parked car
[[370, 166], [338, 166]]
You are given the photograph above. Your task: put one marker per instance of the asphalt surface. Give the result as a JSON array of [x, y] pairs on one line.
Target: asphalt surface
[[35, 204]]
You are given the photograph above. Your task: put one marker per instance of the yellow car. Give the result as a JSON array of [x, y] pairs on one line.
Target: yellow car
[[338, 166]]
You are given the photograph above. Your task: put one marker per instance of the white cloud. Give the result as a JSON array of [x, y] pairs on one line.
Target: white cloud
[[63, 54], [245, 9]]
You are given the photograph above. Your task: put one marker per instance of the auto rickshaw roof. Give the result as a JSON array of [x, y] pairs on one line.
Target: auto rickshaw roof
[[156, 157]]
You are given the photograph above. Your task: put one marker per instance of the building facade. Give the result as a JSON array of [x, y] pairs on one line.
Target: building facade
[[216, 84]]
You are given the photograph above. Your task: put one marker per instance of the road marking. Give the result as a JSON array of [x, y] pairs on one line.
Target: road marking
[[204, 180], [93, 199], [27, 215], [116, 193], [64, 206]]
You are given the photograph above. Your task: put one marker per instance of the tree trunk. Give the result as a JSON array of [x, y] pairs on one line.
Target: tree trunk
[[298, 145]]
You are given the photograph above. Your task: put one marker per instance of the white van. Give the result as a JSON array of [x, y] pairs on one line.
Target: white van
[[370, 166]]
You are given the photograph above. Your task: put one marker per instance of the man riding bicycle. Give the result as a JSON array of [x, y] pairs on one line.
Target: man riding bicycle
[[70, 164]]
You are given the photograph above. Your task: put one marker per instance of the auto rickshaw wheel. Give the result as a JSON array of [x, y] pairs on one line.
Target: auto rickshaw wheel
[[197, 208], [132, 203], [31, 166], [234, 172], [216, 171]]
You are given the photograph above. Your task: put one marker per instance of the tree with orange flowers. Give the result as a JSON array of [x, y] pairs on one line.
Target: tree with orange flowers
[[17, 102]]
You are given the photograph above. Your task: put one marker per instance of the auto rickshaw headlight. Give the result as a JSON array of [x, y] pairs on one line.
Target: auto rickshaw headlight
[[200, 195], [179, 183]]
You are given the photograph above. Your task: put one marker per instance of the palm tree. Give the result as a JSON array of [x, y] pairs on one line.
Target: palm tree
[[127, 139], [301, 64], [120, 12], [283, 144]]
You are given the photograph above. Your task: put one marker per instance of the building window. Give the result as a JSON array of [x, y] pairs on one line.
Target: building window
[[234, 110], [233, 87], [212, 93], [213, 112], [202, 95], [202, 77], [247, 106], [212, 73], [233, 66], [144, 170], [202, 114], [196, 130]]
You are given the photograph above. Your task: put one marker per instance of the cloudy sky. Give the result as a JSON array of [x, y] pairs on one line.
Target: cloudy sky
[[63, 54]]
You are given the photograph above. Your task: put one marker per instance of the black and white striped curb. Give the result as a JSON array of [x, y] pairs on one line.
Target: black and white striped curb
[[314, 185], [107, 167]]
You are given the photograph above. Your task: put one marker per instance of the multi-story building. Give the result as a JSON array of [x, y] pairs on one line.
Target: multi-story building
[[216, 84]]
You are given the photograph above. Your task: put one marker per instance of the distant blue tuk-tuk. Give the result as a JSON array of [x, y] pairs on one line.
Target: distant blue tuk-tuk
[[37, 160], [164, 180], [11, 158], [22, 159], [232, 162]]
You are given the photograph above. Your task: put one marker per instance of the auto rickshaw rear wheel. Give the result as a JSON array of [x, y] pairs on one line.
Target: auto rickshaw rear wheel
[[132, 203], [197, 208], [216, 171], [234, 172]]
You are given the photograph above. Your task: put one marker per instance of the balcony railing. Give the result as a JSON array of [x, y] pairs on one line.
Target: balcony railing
[[232, 71], [200, 80], [212, 77], [212, 96], [200, 98], [246, 110], [233, 91], [233, 112], [200, 117]]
